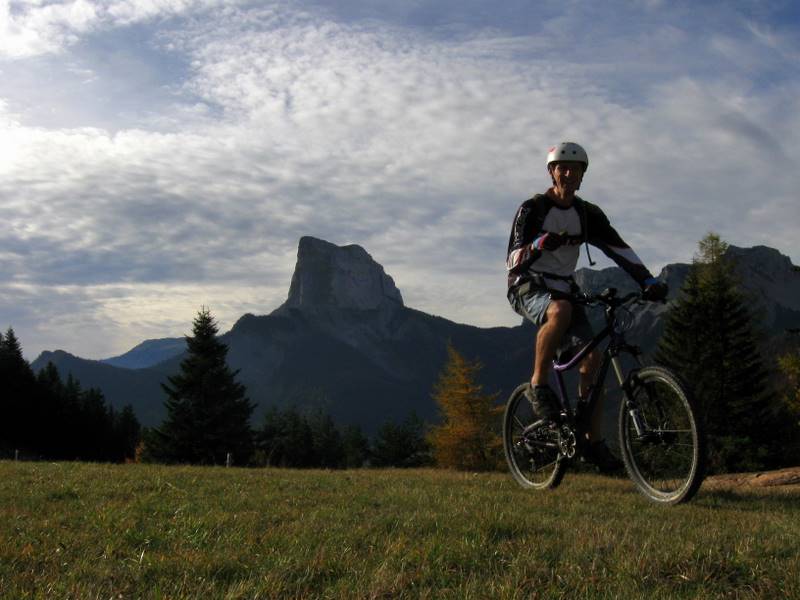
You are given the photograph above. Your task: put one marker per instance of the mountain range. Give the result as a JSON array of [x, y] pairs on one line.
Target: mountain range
[[345, 342]]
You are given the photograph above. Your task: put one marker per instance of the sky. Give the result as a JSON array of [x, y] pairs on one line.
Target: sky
[[158, 156]]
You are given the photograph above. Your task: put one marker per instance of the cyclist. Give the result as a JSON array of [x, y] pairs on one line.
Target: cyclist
[[543, 252]]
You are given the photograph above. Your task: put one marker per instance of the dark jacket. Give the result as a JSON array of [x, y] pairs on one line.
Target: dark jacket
[[595, 230]]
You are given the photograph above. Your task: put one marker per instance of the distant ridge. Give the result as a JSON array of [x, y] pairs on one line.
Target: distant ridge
[[148, 353]]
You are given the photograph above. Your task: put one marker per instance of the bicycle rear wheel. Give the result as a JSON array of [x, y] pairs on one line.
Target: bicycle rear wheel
[[533, 459], [666, 460]]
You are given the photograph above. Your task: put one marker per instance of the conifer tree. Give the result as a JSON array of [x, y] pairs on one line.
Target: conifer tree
[[68, 438], [327, 441], [207, 409], [18, 393], [709, 339], [467, 439], [356, 447], [401, 444], [789, 412], [285, 439], [790, 367], [127, 432], [11, 359], [48, 410], [93, 434]]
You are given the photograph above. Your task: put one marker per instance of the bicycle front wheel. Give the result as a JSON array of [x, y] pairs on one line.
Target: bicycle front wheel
[[533, 456], [665, 455]]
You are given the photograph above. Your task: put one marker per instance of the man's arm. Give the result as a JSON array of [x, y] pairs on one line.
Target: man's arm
[[527, 241], [602, 235], [520, 251]]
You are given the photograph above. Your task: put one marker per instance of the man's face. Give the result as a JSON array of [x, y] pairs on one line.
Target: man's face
[[567, 175]]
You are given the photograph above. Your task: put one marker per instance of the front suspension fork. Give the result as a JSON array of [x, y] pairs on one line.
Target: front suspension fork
[[627, 384]]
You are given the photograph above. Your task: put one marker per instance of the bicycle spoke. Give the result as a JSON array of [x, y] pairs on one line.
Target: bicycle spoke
[[670, 430]]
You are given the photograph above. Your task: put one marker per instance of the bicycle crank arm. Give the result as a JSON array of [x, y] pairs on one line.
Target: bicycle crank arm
[[541, 443]]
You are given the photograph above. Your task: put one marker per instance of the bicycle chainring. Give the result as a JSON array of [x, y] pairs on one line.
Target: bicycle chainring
[[567, 442]]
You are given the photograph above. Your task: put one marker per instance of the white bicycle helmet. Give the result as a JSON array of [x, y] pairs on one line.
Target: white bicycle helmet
[[568, 151]]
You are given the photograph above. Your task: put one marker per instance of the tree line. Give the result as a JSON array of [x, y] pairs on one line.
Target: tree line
[[208, 417], [45, 417], [292, 438]]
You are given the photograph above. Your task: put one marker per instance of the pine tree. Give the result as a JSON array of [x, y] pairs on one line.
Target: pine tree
[[19, 395], [127, 433], [11, 359], [789, 411], [95, 422], [790, 367], [48, 411], [467, 439], [68, 439], [356, 447], [327, 441], [285, 440], [401, 445], [207, 409], [710, 340]]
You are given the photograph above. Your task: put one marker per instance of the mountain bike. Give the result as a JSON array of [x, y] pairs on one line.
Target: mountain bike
[[661, 439]]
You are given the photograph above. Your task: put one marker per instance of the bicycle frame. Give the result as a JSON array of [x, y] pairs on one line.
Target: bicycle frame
[[616, 345]]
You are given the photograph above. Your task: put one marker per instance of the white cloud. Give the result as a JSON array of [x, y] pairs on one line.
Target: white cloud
[[416, 143], [34, 27], [30, 28]]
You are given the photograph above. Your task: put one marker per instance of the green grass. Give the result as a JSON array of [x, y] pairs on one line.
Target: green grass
[[138, 531]]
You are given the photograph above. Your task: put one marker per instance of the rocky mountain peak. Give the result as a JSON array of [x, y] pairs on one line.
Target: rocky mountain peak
[[341, 277], [772, 284], [768, 272]]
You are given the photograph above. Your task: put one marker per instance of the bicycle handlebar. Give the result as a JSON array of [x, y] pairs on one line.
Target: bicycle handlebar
[[608, 297]]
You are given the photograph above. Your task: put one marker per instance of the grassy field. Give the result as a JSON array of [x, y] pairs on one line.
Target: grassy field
[[138, 531]]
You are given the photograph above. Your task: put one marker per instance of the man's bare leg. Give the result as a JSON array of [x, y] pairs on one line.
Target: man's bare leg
[[559, 313]]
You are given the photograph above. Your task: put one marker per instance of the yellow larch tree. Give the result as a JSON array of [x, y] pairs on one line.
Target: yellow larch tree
[[467, 439]]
